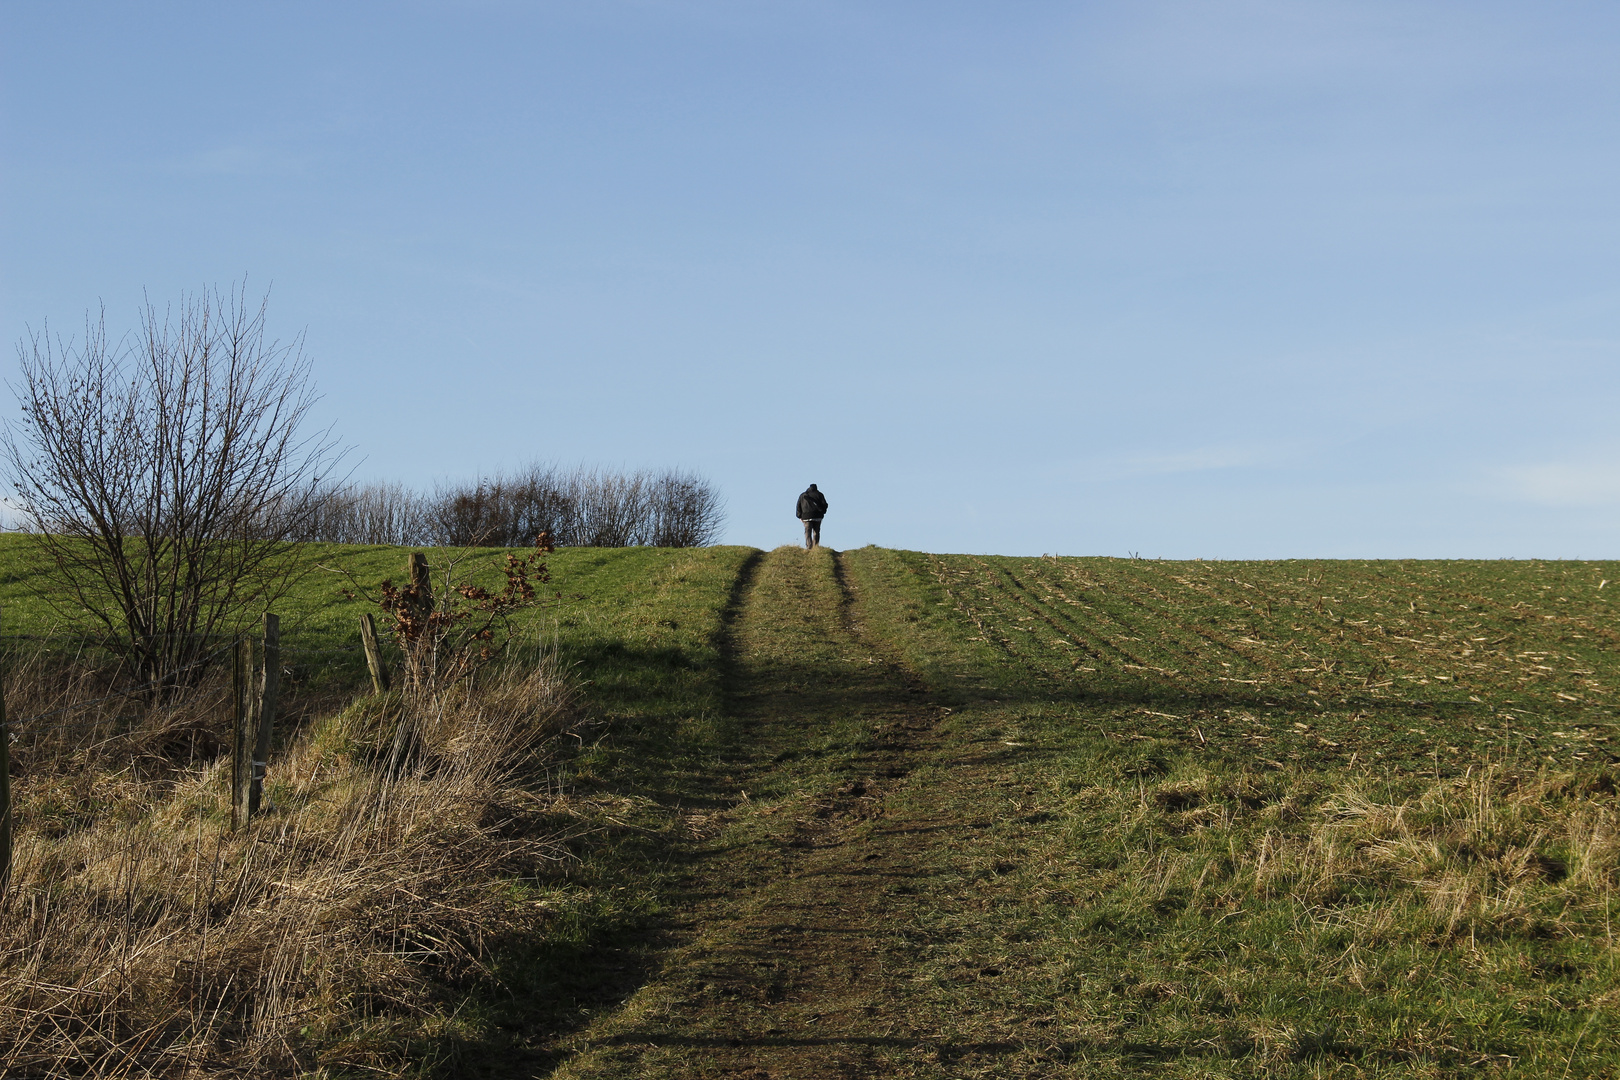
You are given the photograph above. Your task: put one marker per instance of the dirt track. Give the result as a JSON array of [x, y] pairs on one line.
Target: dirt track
[[794, 962]]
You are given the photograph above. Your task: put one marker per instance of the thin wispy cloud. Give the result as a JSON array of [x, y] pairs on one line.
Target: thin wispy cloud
[[1594, 482]]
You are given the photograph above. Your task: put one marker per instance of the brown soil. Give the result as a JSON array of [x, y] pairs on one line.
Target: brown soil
[[793, 958]]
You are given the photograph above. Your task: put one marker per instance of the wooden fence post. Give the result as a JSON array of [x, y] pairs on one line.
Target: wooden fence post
[[237, 678], [268, 690], [420, 646], [245, 733], [5, 797], [374, 661]]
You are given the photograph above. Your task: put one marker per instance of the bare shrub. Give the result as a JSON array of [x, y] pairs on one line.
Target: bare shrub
[[152, 940], [580, 508], [685, 511], [162, 473], [488, 514], [451, 633], [505, 511], [376, 513], [610, 509]]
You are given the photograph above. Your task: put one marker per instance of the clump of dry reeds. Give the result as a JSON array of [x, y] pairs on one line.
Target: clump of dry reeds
[[76, 717], [142, 936]]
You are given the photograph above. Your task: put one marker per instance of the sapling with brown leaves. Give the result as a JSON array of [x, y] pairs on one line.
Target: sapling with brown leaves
[[450, 632]]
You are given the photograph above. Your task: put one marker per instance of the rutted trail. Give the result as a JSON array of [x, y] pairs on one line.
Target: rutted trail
[[793, 963]]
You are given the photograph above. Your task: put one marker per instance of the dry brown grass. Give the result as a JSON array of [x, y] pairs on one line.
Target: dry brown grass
[[142, 937], [1491, 852], [1490, 849]]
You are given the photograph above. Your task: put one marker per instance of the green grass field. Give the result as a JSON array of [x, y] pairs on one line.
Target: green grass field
[[617, 611], [889, 813], [1421, 664], [1289, 818]]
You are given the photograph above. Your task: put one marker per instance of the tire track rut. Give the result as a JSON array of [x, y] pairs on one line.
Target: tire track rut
[[793, 958]]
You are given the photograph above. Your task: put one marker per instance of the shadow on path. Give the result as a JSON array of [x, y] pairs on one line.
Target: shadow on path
[[785, 958]]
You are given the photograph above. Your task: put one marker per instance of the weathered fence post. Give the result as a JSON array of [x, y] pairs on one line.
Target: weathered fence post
[[269, 689], [419, 577], [245, 733], [421, 642], [374, 661], [5, 796]]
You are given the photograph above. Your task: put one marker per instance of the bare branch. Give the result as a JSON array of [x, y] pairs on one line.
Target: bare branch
[[163, 475]]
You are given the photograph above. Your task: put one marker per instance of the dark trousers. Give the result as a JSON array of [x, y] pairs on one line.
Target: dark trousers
[[812, 532]]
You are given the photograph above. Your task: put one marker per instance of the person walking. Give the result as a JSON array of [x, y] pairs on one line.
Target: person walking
[[812, 508]]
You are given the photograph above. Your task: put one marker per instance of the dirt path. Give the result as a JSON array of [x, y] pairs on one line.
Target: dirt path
[[796, 940]]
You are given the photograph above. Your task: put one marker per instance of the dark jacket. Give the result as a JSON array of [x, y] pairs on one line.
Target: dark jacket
[[812, 505]]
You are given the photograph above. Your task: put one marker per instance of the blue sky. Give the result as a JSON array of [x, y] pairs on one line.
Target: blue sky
[[1184, 279]]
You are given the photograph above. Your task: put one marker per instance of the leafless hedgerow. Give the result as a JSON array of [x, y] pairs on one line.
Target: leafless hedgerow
[[377, 513], [162, 473], [494, 512], [580, 508], [686, 511]]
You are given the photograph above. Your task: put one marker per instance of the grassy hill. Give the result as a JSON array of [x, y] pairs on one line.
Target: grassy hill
[[900, 814]]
